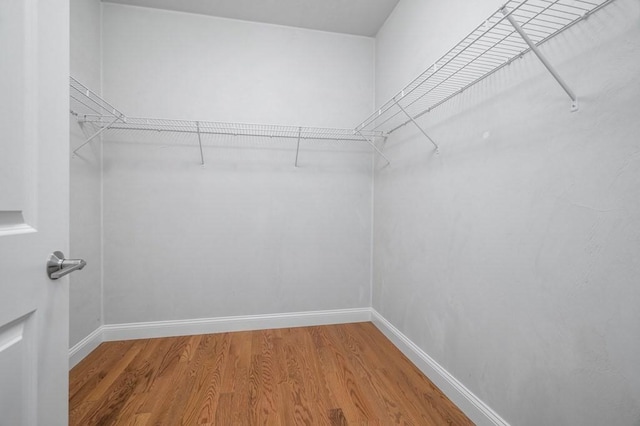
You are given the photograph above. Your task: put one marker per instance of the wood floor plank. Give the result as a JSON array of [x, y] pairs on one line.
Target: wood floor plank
[[424, 396], [390, 375], [347, 374], [203, 399], [112, 392], [241, 344], [264, 370], [134, 412], [347, 401], [198, 375], [363, 356], [180, 386], [297, 392], [87, 374], [378, 390], [313, 380]]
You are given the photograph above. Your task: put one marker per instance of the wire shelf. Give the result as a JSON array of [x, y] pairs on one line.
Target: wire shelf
[[230, 129], [489, 47], [101, 117]]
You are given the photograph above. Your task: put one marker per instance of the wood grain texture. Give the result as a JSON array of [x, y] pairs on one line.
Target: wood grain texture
[[347, 374]]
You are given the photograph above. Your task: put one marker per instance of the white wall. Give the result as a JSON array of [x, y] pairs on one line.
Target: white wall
[[85, 194], [248, 233], [511, 257], [178, 65]]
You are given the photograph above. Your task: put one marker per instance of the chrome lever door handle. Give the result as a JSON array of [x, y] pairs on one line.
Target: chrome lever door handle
[[58, 266]]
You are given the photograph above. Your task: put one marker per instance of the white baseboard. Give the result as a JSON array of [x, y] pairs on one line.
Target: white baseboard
[[479, 412], [149, 330], [84, 347], [146, 330]]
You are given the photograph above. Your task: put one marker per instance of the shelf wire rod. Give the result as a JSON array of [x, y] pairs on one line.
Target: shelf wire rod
[[200, 142], [498, 50], [416, 124], [509, 43], [585, 8], [298, 146], [373, 145], [96, 134], [543, 59], [494, 56], [559, 15], [536, 31], [548, 24]]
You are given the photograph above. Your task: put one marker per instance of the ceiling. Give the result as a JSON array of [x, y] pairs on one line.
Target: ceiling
[[359, 17]]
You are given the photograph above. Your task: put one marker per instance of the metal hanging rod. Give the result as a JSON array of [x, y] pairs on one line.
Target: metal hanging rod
[[513, 30]]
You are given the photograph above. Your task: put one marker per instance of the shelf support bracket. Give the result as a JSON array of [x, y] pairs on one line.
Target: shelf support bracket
[[99, 132], [298, 147], [373, 145], [416, 124], [200, 143], [545, 62]]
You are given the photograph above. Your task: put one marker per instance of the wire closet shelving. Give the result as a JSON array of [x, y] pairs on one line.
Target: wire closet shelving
[[515, 29], [91, 109]]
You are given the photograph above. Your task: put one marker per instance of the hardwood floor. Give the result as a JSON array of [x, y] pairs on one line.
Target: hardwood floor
[[347, 374]]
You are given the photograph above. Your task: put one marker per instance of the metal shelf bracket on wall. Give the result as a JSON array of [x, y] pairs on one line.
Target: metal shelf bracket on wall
[[373, 145], [120, 117], [298, 146], [200, 142], [404, 111], [574, 100]]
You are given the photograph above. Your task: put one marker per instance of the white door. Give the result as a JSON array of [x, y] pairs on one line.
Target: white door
[[34, 217]]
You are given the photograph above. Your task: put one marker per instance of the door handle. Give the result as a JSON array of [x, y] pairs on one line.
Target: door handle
[[58, 266]]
